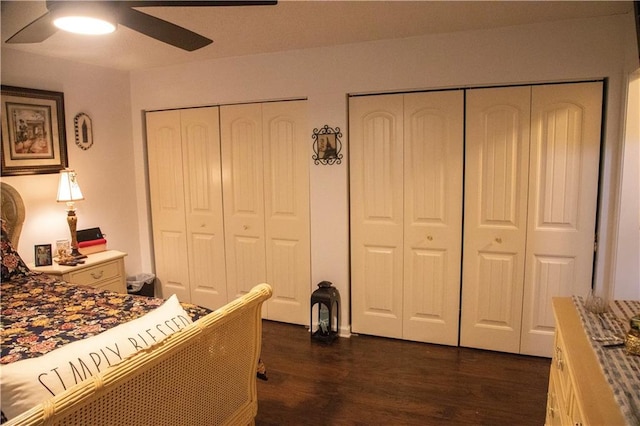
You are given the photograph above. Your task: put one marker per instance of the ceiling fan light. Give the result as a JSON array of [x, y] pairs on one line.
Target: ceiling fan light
[[84, 25], [84, 17]]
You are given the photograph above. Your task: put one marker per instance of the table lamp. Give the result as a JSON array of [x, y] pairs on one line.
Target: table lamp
[[69, 192]]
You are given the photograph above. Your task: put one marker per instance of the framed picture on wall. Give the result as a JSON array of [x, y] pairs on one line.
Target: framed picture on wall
[[33, 131]]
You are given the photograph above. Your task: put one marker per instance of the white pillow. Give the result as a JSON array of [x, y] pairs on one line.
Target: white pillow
[[25, 384]]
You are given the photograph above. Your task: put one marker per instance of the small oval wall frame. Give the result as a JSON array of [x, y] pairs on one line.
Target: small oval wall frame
[[84, 130]]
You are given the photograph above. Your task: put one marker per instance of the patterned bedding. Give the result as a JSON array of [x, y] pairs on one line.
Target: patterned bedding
[[40, 314]]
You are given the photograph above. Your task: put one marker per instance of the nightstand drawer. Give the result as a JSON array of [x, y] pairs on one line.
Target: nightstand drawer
[[96, 274], [115, 285]]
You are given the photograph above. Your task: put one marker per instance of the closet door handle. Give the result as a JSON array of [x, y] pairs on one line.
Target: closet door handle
[[498, 240]]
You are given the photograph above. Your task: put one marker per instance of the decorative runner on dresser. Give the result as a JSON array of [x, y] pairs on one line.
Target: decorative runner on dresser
[[606, 332]]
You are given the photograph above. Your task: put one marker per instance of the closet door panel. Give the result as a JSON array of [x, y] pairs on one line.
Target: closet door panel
[[496, 179], [286, 201], [376, 178], [203, 205], [166, 188], [563, 190], [433, 162], [242, 177]]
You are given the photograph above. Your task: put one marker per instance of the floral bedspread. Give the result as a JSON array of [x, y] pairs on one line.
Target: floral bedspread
[[40, 314]]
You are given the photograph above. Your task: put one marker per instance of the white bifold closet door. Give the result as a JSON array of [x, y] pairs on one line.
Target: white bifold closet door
[[406, 156], [531, 185], [265, 160], [495, 217], [566, 128], [183, 149]]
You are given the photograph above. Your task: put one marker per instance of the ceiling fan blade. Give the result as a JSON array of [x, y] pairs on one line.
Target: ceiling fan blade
[[162, 30], [35, 32], [199, 3]]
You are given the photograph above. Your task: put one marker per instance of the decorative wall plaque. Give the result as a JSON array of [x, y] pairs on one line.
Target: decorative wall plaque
[[327, 145], [84, 131]]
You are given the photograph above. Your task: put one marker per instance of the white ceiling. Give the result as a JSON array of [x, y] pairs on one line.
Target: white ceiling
[[300, 24]]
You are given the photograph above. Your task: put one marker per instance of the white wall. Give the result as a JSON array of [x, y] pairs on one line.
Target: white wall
[[627, 270], [105, 171], [563, 51]]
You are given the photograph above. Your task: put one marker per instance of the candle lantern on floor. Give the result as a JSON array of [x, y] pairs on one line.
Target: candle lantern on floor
[[326, 300]]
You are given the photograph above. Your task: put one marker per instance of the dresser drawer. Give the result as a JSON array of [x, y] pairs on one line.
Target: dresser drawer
[[560, 364], [554, 406], [96, 274]]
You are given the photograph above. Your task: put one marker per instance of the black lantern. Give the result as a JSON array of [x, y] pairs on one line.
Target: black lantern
[[327, 299]]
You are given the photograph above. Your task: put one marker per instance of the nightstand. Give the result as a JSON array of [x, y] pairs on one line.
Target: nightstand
[[104, 270]]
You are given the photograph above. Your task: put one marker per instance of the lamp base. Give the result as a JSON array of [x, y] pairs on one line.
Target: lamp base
[[77, 255], [72, 220]]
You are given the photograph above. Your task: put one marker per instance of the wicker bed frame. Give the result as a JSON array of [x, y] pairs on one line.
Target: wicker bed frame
[[204, 374]]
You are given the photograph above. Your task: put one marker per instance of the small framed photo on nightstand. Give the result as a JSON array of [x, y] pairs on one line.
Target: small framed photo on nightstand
[[43, 255]]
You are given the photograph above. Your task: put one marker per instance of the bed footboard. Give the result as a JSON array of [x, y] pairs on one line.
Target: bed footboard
[[203, 375]]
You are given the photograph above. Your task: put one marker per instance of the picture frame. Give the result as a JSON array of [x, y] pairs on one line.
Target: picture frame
[[43, 255], [327, 145], [33, 134]]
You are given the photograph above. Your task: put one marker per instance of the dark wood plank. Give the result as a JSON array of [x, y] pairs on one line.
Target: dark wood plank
[[371, 380]]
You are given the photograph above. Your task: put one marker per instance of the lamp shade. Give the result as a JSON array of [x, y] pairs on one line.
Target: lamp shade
[[68, 188]]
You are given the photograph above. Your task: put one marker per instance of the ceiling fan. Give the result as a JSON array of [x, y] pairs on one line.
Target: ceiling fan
[[123, 13]]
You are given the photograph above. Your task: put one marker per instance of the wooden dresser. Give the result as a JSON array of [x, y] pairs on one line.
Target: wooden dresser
[[104, 270], [578, 391]]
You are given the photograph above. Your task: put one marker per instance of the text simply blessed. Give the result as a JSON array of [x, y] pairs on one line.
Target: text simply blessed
[[56, 379]]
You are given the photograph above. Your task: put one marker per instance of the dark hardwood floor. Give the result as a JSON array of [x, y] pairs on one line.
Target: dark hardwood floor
[[365, 380]]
